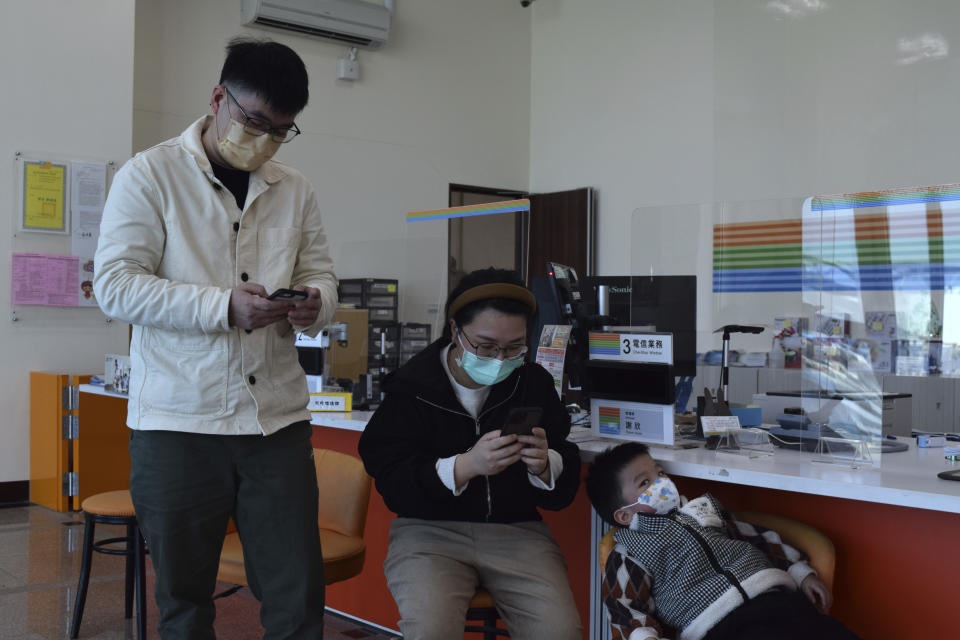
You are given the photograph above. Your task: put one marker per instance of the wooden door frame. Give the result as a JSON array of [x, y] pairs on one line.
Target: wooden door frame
[[521, 221]]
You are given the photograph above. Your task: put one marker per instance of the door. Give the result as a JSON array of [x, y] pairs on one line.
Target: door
[[478, 242], [561, 229]]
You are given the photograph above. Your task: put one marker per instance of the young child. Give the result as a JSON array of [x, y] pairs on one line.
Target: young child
[[686, 567]]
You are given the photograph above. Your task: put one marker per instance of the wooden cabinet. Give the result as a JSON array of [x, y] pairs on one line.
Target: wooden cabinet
[[78, 441]]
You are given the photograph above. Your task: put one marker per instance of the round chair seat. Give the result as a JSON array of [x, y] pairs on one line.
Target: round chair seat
[[482, 600], [112, 503], [343, 557]]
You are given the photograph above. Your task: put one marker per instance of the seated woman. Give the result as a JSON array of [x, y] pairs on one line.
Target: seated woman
[[465, 495]]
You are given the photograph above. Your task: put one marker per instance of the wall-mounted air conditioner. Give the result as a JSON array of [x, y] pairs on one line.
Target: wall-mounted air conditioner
[[354, 22]]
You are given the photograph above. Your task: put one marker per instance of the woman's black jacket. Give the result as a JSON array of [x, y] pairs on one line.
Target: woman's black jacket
[[421, 420]]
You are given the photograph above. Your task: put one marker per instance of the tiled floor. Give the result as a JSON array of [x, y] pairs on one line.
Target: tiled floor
[[39, 567]]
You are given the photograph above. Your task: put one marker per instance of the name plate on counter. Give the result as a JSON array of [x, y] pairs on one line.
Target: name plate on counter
[[632, 347], [717, 425], [330, 401]]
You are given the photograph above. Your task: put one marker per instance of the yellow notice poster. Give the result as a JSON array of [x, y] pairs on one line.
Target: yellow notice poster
[[44, 197]]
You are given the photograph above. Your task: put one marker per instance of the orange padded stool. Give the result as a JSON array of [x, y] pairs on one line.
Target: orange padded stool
[[341, 518], [113, 507], [484, 610]]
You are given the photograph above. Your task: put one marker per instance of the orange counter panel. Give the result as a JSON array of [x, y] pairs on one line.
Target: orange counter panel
[[101, 452]]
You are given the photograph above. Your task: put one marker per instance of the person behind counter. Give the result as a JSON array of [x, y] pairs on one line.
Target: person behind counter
[[666, 566], [196, 233], [465, 495]]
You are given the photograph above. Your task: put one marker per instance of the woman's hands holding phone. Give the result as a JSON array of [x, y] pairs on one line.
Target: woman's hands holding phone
[[534, 453], [491, 454]]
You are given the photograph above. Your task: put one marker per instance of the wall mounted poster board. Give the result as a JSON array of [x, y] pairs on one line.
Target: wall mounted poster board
[[56, 229]]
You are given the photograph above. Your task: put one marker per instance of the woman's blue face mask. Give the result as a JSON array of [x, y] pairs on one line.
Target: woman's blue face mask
[[486, 371]]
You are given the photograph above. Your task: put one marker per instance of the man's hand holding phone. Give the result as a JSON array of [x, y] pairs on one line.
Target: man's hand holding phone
[[252, 307], [306, 309]]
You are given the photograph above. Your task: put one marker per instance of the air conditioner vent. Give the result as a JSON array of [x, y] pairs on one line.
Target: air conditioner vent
[[315, 31]]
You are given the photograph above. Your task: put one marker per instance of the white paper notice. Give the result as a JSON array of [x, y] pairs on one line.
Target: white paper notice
[[88, 191]]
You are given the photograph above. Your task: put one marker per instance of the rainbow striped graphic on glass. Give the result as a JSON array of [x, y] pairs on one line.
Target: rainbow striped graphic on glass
[[508, 206], [900, 239], [607, 344]]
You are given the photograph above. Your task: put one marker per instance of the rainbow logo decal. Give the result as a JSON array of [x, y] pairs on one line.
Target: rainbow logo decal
[[608, 420], [605, 344]]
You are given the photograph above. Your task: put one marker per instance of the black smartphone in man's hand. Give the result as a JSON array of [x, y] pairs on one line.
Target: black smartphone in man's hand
[[287, 294], [521, 421]]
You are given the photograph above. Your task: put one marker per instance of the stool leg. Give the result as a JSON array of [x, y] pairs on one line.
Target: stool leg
[[129, 563], [491, 622], [141, 581], [87, 552]]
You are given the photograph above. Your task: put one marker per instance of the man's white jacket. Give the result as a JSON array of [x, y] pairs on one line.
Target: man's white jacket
[[173, 244]]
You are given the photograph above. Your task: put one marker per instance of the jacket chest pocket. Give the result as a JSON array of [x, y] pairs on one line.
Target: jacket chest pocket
[[277, 250]]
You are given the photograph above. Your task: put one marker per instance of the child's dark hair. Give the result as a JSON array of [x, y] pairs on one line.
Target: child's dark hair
[[269, 69], [603, 481], [467, 313]]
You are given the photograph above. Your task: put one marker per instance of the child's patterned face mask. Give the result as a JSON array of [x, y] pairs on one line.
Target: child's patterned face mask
[[662, 496]]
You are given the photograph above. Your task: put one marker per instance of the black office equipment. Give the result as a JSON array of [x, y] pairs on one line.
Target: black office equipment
[[668, 303], [559, 301]]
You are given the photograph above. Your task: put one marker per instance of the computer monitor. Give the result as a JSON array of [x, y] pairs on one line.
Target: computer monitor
[[667, 303]]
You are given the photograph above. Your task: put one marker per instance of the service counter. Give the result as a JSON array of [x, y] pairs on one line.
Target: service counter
[[893, 528]]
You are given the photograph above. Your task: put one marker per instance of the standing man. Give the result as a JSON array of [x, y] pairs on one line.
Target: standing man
[[196, 234]]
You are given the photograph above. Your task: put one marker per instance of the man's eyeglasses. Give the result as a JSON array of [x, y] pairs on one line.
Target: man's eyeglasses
[[490, 350], [259, 126]]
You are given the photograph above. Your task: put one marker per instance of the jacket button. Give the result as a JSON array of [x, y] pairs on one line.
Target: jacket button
[[244, 276], [249, 330], [236, 226], [252, 379]]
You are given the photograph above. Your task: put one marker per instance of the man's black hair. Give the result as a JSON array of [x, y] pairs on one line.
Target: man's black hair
[[269, 69], [603, 480], [490, 275]]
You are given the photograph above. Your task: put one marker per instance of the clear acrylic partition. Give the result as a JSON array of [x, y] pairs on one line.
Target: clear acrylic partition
[[854, 293], [423, 283]]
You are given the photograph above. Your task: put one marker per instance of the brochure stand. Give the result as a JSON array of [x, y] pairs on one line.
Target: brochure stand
[[842, 451]]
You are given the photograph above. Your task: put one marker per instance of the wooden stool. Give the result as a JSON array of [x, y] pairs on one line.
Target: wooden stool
[[483, 609], [113, 507]]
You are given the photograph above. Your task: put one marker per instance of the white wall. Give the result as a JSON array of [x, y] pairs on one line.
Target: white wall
[[67, 78], [656, 103], [661, 103], [445, 100]]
